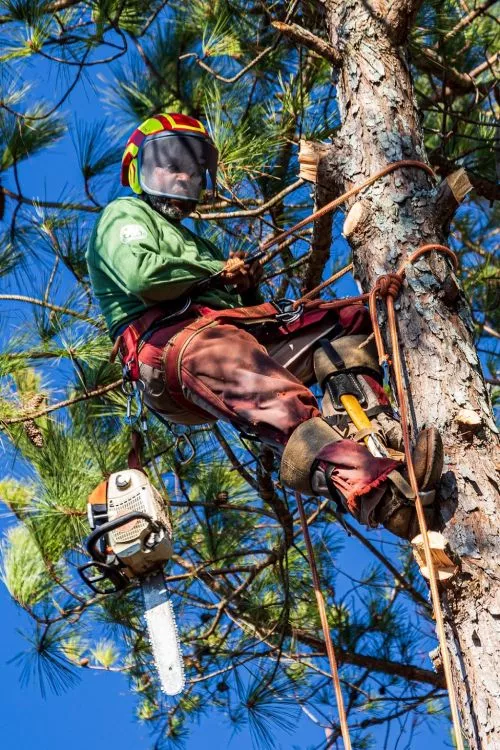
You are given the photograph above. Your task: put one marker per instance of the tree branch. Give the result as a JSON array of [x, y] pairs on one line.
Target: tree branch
[[49, 204], [305, 38], [431, 62], [406, 671], [62, 404], [400, 17], [50, 306], [251, 211], [483, 187], [199, 61], [469, 18]]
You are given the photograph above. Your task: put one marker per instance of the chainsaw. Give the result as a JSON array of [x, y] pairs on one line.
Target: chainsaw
[[130, 543]]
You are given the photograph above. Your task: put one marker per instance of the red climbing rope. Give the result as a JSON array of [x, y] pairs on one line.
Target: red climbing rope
[[387, 288], [328, 207]]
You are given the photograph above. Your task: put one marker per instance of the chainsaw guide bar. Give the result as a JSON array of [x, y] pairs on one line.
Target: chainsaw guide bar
[[163, 636]]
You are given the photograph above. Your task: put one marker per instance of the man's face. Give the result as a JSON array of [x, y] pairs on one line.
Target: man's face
[[172, 179], [175, 166]]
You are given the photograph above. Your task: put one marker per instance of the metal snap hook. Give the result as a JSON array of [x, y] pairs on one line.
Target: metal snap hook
[[287, 312], [184, 455], [134, 396]]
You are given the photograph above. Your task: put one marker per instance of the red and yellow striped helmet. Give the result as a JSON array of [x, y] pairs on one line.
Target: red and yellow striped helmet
[[163, 122]]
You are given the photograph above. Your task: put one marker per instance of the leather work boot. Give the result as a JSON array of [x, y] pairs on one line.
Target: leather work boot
[[376, 490], [373, 490], [396, 510]]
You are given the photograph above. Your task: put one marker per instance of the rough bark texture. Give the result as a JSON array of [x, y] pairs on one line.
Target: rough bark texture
[[380, 125]]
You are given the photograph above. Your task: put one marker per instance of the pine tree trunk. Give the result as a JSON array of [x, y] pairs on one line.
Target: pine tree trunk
[[380, 124]]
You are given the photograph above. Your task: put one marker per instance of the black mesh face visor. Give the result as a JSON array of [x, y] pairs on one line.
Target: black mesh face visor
[[178, 166]]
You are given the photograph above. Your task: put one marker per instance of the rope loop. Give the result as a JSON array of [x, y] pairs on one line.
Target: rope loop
[[388, 285]]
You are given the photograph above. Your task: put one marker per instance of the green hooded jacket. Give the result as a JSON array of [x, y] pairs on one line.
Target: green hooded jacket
[[137, 258]]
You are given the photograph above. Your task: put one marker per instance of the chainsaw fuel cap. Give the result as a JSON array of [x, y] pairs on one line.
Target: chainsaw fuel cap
[[122, 481]]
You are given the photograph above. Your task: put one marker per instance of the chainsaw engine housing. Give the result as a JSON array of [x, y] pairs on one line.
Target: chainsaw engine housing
[[141, 545]]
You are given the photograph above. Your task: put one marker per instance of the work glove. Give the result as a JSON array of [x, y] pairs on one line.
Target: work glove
[[240, 275]]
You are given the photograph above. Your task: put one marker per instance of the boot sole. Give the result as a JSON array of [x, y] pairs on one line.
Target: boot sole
[[428, 458]]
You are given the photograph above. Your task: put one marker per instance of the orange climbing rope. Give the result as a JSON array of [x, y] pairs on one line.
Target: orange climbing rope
[[328, 207], [387, 287], [324, 624]]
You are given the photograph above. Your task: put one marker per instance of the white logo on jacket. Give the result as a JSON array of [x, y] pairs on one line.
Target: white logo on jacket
[[132, 233]]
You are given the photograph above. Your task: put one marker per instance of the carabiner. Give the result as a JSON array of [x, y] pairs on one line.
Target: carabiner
[[184, 457], [134, 396]]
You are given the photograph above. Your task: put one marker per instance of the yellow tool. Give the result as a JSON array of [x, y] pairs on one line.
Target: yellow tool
[[361, 422]]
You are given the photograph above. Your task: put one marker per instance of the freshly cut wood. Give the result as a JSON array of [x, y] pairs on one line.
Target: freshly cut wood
[[443, 564], [358, 214], [469, 420], [459, 184], [310, 152]]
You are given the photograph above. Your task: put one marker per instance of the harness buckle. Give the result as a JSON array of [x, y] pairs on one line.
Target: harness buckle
[[286, 312]]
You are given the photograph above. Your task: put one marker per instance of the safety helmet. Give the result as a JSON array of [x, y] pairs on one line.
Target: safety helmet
[[170, 155]]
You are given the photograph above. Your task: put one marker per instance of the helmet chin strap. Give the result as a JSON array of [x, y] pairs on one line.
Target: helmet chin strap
[[165, 207]]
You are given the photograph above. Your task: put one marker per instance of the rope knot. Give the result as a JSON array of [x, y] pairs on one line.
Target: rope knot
[[389, 285]]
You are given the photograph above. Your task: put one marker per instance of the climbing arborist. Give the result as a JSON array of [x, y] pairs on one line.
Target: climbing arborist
[[190, 328]]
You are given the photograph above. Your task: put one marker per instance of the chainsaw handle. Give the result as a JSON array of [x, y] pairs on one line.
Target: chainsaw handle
[[105, 528]]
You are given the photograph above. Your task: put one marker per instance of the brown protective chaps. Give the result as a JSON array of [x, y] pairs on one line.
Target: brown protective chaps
[[239, 366]]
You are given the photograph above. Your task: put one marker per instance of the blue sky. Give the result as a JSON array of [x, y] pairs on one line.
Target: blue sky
[[99, 711]]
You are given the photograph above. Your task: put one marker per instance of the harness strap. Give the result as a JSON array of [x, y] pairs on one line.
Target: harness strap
[[127, 342], [133, 335]]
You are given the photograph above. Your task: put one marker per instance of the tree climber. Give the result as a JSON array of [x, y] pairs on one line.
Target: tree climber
[[151, 275]]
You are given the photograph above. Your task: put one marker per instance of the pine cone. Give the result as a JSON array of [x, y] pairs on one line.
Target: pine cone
[[33, 432]]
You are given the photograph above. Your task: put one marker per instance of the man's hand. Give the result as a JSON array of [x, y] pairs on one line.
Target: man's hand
[[239, 274]]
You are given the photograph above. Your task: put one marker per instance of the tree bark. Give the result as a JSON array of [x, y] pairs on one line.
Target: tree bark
[[380, 124]]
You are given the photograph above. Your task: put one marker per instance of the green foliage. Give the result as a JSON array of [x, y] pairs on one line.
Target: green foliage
[[95, 156], [222, 39], [246, 151], [44, 662], [20, 138], [24, 571], [10, 257], [15, 495], [105, 653], [268, 705]]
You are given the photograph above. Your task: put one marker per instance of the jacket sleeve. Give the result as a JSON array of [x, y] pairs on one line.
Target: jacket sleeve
[[130, 251]]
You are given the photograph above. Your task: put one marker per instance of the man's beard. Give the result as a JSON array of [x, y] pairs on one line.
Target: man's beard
[[165, 208]]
